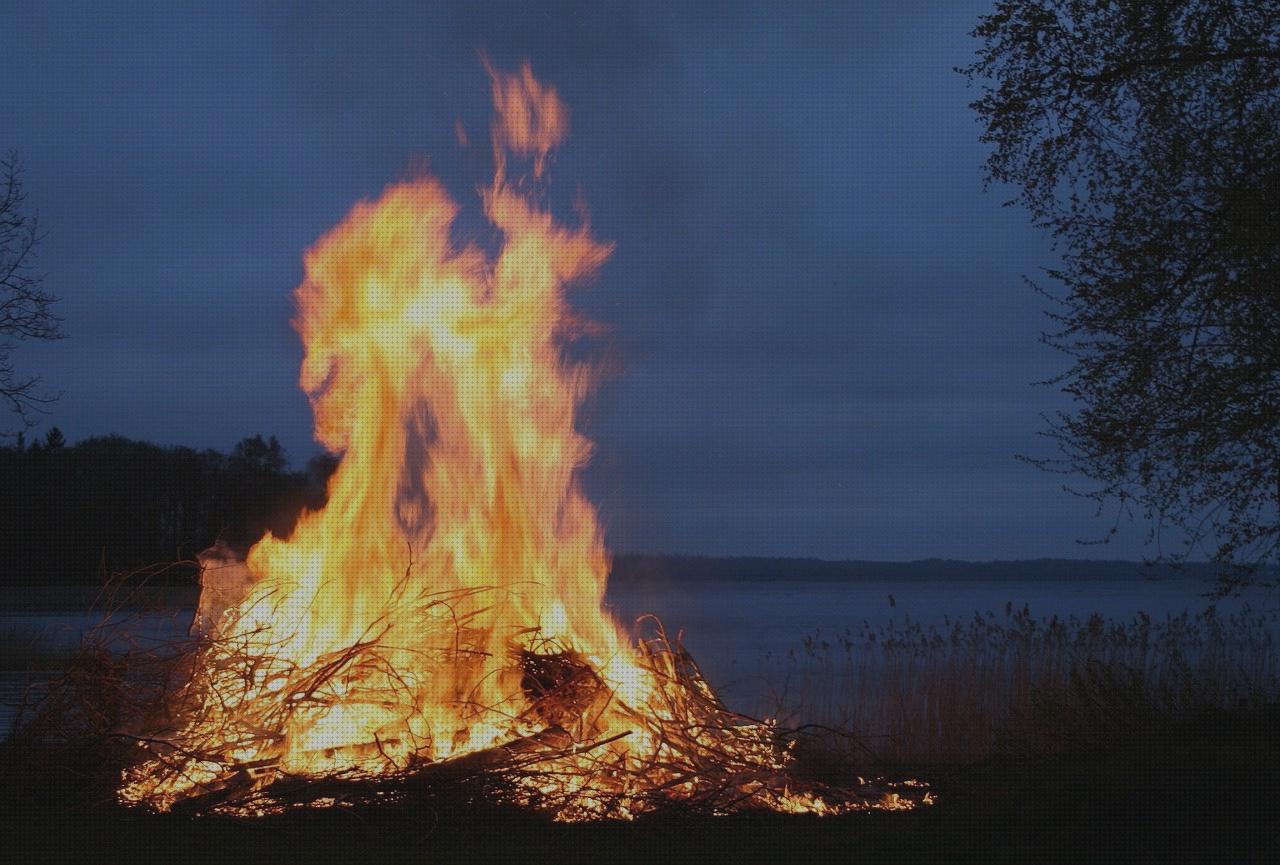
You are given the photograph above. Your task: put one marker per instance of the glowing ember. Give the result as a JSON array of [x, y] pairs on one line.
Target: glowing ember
[[447, 599]]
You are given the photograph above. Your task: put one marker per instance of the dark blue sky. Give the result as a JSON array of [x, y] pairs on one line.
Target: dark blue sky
[[827, 346]]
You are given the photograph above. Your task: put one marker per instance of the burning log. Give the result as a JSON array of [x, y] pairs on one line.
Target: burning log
[[247, 793], [551, 741]]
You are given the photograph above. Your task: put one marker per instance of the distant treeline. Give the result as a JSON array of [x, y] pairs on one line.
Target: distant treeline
[[656, 568], [74, 514], [110, 505]]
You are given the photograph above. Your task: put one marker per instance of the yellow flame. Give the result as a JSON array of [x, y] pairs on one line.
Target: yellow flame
[[437, 372], [438, 375], [456, 536]]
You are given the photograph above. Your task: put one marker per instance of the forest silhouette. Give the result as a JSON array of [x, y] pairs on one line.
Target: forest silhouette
[[109, 506]]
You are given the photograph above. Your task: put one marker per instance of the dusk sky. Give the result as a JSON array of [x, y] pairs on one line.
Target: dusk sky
[[826, 345]]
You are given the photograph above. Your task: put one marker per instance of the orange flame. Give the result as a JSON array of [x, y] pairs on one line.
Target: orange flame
[[456, 536], [437, 374], [531, 119]]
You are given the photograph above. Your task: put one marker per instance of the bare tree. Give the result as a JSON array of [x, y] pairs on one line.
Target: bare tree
[[26, 308], [1145, 136]]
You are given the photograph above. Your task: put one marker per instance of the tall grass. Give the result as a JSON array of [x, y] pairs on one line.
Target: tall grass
[[970, 688]]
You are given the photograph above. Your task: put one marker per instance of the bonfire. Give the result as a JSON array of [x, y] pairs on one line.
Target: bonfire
[[442, 616]]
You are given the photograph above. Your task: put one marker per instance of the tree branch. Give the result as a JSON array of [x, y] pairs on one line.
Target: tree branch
[[1189, 58]]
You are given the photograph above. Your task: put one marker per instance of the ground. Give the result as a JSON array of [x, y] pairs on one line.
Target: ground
[[1201, 790]]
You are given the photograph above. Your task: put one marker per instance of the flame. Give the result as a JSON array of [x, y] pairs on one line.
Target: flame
[[448, 596], [437, 374]]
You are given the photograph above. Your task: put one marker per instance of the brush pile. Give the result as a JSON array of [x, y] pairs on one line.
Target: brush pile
[[136, 706]]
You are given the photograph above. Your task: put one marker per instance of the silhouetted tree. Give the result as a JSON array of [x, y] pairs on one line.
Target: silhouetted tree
[[26, 308], [265, 495], [321, 467], [254, 455], [1145, 135], [54, 438]]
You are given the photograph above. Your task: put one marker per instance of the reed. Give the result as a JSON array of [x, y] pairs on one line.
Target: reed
[[1012, 682]]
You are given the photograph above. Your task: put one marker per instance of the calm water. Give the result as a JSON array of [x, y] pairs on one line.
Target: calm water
[[731, 626]]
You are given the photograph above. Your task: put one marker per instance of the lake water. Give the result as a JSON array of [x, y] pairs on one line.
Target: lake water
[[731, 626]]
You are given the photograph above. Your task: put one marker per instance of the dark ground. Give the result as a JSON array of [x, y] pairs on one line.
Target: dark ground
[[1180, 791]]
